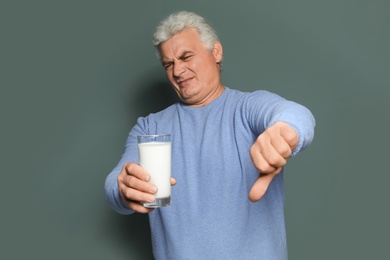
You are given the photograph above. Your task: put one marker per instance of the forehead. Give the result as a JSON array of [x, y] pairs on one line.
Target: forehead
[[186, 40]]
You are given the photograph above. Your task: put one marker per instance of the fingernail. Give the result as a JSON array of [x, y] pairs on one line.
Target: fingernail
[[147, 178], [151, 199], [153, 189]]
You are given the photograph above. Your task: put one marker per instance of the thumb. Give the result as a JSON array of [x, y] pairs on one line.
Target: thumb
[[261, 185]]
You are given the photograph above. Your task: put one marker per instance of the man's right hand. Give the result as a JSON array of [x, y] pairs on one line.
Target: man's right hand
[[134, 187]]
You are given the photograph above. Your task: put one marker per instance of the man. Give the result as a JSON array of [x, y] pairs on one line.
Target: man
[[228, 153]]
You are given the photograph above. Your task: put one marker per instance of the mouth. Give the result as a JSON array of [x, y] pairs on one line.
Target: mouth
[[183, 82]]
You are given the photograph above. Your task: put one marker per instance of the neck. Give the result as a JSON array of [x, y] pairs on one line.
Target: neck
[[209, 98]]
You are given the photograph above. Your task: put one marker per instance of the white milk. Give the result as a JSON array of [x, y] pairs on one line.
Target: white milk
[[155, 157]]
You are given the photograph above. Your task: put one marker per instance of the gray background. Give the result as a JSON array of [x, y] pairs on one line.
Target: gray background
[[75, 75]]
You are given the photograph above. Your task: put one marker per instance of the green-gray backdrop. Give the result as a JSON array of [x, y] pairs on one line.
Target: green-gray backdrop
[[75, 75]]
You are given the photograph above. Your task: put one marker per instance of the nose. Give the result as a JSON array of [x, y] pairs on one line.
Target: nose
[[178, 68]]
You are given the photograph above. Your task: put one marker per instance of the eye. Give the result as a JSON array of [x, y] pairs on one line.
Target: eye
[[186, 58], [167, 65]]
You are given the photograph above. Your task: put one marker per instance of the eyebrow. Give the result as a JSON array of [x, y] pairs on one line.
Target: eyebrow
[[181, 56], [185, 53]]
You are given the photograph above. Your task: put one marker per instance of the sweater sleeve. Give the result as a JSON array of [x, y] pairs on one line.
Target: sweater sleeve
[[266, 108]]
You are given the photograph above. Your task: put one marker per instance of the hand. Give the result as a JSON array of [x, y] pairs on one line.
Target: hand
[[269, 154], [134, 187]]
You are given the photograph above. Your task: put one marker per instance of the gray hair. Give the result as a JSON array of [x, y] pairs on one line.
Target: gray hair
[[177, 22]]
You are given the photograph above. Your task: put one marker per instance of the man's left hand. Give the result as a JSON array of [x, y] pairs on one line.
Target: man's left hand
[[270, 153]]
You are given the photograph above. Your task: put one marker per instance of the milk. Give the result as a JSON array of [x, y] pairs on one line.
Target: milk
[[155, 157]]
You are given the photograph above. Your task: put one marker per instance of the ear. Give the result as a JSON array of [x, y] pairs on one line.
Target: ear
[[217, 51]]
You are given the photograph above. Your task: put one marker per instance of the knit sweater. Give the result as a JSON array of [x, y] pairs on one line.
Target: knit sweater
[[210, 216]]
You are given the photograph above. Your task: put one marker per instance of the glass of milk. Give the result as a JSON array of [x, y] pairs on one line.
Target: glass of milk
[[155, 158]]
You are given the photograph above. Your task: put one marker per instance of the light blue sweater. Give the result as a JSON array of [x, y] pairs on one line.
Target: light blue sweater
[[210, 216]]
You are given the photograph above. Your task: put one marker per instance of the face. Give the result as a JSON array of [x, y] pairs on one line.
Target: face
[[191, 68]]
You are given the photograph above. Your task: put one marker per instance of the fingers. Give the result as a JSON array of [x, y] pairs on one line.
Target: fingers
[[138, 207], [138, 184], [281, 147], [268, 156], [133, 193], [267, 159], [136, 170], [173, 181], [134, 187], [260, 187], [135, 177], [273, 147], [289, 135]]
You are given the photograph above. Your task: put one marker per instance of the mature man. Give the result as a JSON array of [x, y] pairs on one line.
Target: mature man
[[228, 153]]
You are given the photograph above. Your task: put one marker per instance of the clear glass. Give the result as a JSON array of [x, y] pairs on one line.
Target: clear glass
[[155, 157]]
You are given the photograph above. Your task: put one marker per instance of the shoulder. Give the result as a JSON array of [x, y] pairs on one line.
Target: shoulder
[[253, 98], [165, 115]]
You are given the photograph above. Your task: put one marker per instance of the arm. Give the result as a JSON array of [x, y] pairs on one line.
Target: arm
[[128, 183], [288, 129]]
